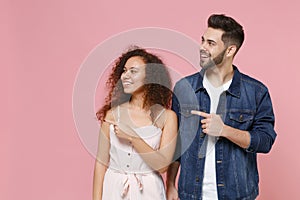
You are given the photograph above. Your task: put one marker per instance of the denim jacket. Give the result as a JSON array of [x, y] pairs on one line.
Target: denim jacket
[[247, 107]]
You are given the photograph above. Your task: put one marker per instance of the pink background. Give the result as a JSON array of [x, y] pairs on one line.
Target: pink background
[[43, 44]]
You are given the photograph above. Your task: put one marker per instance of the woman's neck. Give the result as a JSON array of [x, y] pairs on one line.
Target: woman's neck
[[137, 101]]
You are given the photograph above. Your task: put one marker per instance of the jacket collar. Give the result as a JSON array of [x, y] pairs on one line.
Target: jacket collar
[[234, 88]]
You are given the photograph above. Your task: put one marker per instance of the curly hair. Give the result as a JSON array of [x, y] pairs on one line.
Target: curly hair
[[157, 83]]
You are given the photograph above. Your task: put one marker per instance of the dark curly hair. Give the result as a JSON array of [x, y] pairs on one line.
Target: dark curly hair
[[157, 85]]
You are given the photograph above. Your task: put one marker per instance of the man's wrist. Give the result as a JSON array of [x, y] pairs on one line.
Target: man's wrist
[[224, 131]]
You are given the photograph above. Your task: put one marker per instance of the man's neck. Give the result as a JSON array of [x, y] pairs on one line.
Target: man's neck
[[219, 75]]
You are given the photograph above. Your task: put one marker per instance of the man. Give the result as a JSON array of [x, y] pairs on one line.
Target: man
[[225, 119]]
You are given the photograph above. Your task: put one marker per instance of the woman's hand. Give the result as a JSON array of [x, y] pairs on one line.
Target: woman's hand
[[123, 131]]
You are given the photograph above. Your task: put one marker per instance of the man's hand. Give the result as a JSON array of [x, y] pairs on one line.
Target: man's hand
[[212, 124]]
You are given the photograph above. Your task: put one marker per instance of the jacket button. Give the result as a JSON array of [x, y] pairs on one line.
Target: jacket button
[[220, 185], [197, 179], [241, 117], [201, 155]]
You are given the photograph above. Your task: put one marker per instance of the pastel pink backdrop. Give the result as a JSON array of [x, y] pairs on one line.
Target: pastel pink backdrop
[[43, 44]]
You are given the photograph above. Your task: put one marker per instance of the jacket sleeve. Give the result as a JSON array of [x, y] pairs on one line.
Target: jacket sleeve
[[262, 132], [176, 109]]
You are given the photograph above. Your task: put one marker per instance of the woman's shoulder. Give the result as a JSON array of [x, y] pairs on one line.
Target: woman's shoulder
[[113, 113], [170, 113], [170, 120], [110, 115]]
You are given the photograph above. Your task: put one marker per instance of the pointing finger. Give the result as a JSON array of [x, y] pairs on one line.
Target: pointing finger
[[202, 114], [111, 122]]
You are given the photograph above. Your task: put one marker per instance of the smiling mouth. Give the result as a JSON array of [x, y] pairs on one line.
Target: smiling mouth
[[126, 83], [204, 56]]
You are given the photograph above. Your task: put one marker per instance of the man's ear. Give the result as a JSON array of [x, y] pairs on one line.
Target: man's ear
[[231, 50]]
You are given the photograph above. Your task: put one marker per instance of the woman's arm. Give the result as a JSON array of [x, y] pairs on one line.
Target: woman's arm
[[102, 160], [171, 190], [99, 172]]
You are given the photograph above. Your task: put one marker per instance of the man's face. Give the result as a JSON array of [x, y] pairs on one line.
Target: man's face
[[212, 48]]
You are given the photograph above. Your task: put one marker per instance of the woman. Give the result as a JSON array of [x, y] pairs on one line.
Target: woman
[[138, 130]]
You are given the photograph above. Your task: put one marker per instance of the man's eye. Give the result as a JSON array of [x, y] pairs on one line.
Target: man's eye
[[211, 43]]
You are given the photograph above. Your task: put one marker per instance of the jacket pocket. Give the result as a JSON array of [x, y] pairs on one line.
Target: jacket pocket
[[241, 119], [188, 121], [185, 110], [188, 125]]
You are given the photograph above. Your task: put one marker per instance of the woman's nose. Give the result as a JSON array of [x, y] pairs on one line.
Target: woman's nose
[[126, 74]]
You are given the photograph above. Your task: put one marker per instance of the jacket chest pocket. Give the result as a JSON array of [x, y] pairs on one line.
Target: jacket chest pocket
[[188, 128], [189, 123], [241, 119]]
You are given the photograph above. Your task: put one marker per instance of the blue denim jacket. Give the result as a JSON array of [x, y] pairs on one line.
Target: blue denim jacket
[[247, 107]]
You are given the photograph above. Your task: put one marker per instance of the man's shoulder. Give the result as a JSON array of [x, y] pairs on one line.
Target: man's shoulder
[[193, 76], [251, 81], [190, 78]]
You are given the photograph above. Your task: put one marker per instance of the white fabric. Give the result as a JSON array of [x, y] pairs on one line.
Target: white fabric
[[128, 177], [209, 188]]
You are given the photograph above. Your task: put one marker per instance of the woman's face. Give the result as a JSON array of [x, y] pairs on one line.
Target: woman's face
[[134, 75]]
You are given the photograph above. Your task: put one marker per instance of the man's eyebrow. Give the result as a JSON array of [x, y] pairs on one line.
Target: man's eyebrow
[[210, 40]]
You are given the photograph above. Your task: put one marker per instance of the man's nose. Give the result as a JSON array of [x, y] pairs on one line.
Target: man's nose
[[203, 46]]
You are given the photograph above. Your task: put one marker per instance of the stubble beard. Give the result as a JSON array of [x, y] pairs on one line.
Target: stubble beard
[[213, 62]]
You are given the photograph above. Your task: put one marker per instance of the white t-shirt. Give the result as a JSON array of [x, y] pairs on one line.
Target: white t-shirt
[[209, 188]]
